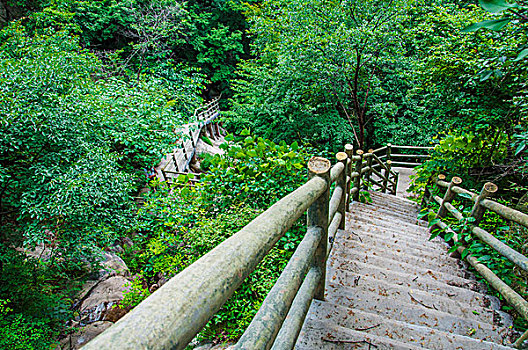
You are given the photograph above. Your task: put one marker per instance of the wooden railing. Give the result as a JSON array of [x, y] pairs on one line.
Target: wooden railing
[[204, 120], [481, 203], [404, 156], [176, 312]]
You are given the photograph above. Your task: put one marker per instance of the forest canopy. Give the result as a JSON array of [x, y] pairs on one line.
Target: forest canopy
[[92, 91]]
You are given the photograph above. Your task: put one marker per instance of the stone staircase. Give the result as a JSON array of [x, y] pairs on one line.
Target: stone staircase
[[389, 287]]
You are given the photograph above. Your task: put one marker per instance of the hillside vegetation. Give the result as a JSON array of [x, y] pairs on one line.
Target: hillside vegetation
[[92, 91]]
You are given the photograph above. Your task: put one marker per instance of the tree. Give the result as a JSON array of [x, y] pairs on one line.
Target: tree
[[320, 63]]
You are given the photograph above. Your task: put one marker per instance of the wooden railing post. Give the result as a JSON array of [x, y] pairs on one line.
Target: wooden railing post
[[349, 150], [369, 166], [341, 182], [317, 215], [395, 186], [389, 151], [386, 173], [357, 180], [478, 210], [425, 198], [448, 197]]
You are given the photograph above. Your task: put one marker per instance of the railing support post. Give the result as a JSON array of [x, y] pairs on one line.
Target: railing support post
[[357, 180], [478, 210], [389, 151], [386, 173], [395, 186], [448, 197], [425, 199], [317, 215], [369, 166], [341, 182], [349, 150]]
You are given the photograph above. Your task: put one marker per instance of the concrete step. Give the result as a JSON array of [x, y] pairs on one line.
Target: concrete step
[[359, 238], [393, 209], [393, 202], [420, 336], [471, 294], [367, 290], [404, 232], [405, 227], [318, 334], [368, 233], [397, 252], [395, 262], [409, 312], [383, 211], [393, 199]]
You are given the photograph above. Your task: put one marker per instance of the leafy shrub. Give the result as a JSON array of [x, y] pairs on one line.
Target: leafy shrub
[[20, 333], [257, 170]]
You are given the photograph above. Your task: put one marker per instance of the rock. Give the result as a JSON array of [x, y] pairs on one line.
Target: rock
[[112, 265], [84, 335], [100, 303]]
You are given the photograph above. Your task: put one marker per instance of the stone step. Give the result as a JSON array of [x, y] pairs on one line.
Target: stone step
[[409, 312], [405, 232], [366, 292], [393, 199], [397, 252], [470, 294], [394, 203], [360, 238], [320, 335], [367, 212], [368, 233], [405, 227], [383, 211], [393, 207], [416, 335], [395, 262]]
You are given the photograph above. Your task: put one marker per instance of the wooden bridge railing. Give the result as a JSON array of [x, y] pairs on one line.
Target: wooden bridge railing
[[481, 203], [405, 156], [182, 156], [175, 313]]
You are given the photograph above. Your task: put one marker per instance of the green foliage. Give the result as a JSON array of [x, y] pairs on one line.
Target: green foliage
[[20, 333], [509, 233], [135, 294], [256, 169], [178, 225], [323, 69]]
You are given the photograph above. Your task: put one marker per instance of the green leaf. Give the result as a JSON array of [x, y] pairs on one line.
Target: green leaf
[[449, 236], [496, 6], [465, 253], [245, 132], [433, 222], [229, 137], [519, 149], [494, 24], [522, 55]]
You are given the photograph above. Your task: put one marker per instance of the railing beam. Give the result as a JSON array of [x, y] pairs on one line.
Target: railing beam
[[174, 314]]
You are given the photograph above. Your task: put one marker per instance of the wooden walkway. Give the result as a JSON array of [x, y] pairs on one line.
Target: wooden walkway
[[178, 161]]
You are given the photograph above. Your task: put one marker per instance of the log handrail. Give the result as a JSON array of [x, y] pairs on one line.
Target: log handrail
[[480, 204], [177, 311]]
